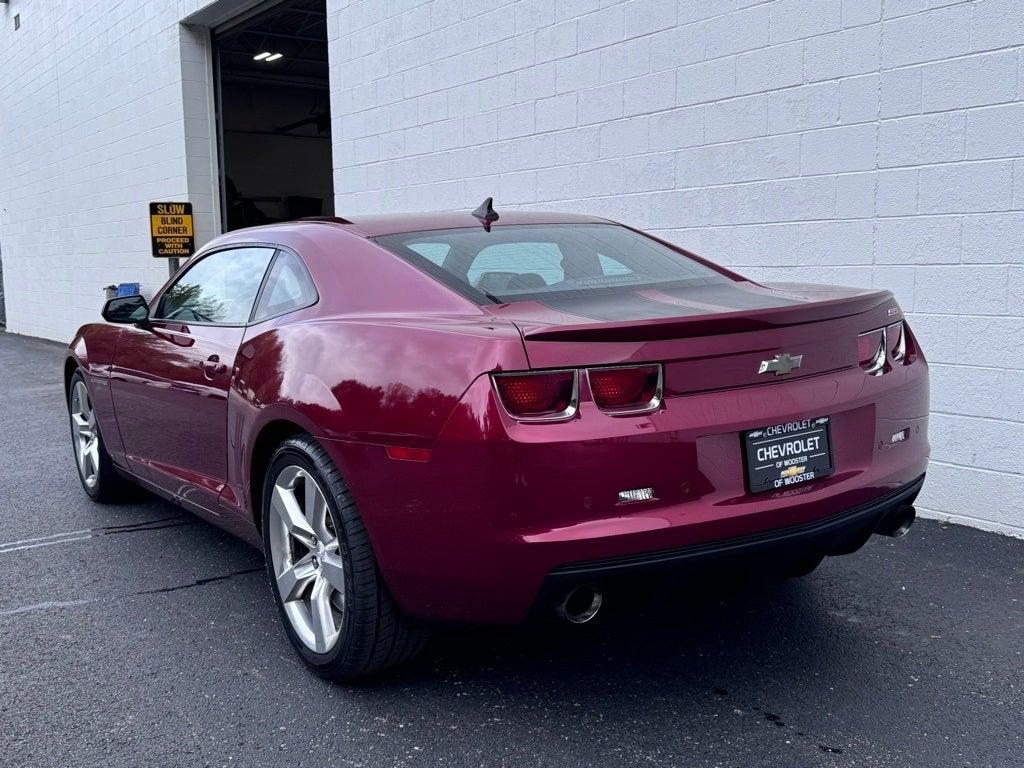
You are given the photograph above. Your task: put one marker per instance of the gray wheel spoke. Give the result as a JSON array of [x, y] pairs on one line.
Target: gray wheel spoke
[[292, 582], [85, 435], [333, 569], [83, 461], [311, 583], [316, 511], [287, 507], [92, 454], [83, 425], [325, 631]]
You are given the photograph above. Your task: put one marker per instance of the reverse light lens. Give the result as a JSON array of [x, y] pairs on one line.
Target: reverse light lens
[[543, 396], [871, 351], [626, 389], [896, 340]]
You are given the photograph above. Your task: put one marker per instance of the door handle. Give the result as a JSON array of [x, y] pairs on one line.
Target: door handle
[[212, 366]]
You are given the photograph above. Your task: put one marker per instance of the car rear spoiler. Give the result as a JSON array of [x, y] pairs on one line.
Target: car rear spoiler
[[710, 324]]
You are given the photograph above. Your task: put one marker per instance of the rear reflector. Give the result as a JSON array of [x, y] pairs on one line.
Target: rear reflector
[[626, 389], [541, 396], [871, 351], [404, 453]]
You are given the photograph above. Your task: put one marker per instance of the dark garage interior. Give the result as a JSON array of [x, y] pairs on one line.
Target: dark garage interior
[[274, 116]]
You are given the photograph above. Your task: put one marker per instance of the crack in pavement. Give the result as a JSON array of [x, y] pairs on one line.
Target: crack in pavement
[[58, 604], [152, 528], [140, 526], [198, 582]]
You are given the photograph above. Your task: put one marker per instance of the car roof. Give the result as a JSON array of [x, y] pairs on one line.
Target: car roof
[[397, 223]]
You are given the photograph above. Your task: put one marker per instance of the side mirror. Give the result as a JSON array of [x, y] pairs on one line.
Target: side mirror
[[126, 309]]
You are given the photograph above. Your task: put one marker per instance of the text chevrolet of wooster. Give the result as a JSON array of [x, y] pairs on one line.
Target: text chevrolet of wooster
[[474, 417]]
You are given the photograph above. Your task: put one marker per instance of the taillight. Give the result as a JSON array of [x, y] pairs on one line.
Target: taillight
[[540, 396], [880, 349], [871, 351], [895, 339], [626, 389]]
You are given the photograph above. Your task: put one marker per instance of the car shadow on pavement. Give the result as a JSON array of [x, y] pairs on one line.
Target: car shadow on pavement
[[706, 631], [691, 629], [760, 649]]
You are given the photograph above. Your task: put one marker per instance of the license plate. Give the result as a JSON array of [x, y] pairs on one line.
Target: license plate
[[784, 455]]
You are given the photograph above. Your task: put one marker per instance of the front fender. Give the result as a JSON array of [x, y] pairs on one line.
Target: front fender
[[92, 351]]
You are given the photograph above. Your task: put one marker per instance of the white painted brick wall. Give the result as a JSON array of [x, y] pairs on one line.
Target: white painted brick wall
[[867, 142], [92, 127]]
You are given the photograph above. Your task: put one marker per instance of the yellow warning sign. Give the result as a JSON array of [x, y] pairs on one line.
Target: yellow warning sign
[[172, 231]]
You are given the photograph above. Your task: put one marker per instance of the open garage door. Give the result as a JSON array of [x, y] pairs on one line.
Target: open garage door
[[273, 115]]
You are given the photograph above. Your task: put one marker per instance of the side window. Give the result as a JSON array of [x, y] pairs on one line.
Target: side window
[[219, 288], [288, 287]]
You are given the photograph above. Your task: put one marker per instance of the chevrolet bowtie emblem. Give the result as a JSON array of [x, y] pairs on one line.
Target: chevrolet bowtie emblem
[[781, 364]]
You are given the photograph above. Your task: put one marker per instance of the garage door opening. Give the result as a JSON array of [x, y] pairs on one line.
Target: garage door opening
[[273, 115]]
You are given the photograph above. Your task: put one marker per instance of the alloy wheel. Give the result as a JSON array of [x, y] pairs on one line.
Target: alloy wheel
[[305, 553], [85, 434]]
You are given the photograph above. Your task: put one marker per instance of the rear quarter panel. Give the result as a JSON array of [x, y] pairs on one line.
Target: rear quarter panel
[[360, 384]]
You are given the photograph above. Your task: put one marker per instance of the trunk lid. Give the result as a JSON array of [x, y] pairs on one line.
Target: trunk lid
[[707, 337]]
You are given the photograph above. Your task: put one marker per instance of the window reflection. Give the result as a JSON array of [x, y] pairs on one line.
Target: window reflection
[[220, 288], [544, 261], [289, 287]]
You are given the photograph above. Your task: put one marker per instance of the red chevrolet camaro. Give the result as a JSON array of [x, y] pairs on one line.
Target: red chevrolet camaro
[[468, 417]]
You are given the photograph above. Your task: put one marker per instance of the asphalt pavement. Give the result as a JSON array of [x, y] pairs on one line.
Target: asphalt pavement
[[138, 635]]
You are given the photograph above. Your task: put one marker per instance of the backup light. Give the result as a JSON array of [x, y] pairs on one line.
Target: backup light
[[895, 336], [878, 348], [871, 351]]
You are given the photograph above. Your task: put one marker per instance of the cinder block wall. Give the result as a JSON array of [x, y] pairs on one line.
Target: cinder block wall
[[92, 127], [864, 142]]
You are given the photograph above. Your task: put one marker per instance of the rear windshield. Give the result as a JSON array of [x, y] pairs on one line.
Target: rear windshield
[[544, 261]]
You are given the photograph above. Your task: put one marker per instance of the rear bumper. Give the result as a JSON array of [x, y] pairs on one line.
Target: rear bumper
[[502, 510], [841, 533]]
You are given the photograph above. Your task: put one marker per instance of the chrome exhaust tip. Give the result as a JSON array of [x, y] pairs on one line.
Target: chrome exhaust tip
[[898, 522], [580, 605]]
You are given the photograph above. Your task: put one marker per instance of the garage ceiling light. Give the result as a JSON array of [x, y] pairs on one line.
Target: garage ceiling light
[[261, 56], [274, 57]]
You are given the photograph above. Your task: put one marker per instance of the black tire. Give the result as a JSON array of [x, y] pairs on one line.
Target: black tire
[[109, 486], [804, 565], [374, 633]]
